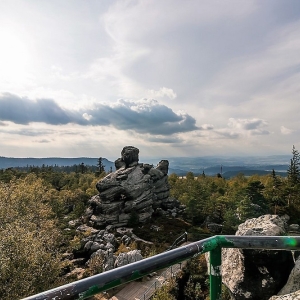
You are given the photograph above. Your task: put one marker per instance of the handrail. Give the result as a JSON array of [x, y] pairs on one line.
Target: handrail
[[90, 286]]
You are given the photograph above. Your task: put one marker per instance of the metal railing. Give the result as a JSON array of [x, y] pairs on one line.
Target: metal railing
[[90, 286], [180, 240]]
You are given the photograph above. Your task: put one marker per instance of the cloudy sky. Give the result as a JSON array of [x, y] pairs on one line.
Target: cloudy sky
[[171, 77]]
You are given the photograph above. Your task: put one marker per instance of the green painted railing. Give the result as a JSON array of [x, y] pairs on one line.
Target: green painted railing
[[88, 287]]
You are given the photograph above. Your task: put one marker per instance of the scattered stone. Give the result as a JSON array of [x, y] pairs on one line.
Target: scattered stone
[[68, 256], [294, 228], [77, 273], [74, 223], [128, 258], [215, 228], [87, 229]]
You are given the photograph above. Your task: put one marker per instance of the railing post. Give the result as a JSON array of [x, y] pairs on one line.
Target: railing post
[[215, 274]]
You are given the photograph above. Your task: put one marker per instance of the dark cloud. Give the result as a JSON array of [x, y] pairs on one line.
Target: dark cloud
[[144, 116], [43, 141], [247, 124], [23, 111], [253, 124]]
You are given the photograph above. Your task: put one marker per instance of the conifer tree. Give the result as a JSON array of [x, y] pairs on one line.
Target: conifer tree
[[293, 183], [100, 165], [294, 168]]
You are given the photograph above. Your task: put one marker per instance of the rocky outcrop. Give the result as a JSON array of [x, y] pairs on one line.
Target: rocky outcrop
[[293, 283], [291, 296], [131, 193], [257, 274], [128, 258], [102, 244]]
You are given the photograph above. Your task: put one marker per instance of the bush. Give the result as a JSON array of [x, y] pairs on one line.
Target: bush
[[29, 239]]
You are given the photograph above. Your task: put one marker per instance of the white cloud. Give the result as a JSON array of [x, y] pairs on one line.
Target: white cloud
[[214, 60], [162, 92], [285, 130], [87, 116], [246, 124], [207, 127]]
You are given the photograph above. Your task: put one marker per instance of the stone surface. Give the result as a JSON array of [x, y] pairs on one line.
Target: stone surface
[[257, 274], [294, 228], [130, 194], [130, 156], [264, 225], [128, 258], [293, 283], [215, 228], [103, 244], [291, 296]]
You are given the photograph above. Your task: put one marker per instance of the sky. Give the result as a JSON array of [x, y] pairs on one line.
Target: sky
[[170, 77]]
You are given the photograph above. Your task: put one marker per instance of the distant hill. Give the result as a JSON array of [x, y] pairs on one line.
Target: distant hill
[[211, 165], [230, 174], [11, 162], [231, 166]]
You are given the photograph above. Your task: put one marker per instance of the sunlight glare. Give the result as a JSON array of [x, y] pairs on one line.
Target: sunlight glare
[[14, 56]]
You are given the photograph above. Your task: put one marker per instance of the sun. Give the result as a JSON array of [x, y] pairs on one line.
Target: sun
[[14, 55]]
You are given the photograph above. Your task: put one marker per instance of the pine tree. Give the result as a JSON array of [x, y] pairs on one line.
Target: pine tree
[[254, 193], [100, 165], [294, 168], [293, 183]]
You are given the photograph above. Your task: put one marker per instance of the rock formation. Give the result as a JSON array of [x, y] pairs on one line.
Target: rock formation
[[128, 258], [257, 274], [291, 296], [103, 244], [131, 193], [291, 290]]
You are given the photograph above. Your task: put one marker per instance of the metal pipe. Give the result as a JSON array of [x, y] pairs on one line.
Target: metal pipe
[[88, 287], [259, 242], [215, 275]]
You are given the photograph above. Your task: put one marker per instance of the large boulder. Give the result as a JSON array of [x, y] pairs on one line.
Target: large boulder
[[131, 193], [293, 283], [101, 245], [130, 157], [291, 296], [257, 274], [128, 258]]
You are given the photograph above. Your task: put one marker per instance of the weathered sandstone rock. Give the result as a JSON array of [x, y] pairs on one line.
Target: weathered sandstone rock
[[257, 274], [293, 283], [134, 190], [128, 258], [291, 296]]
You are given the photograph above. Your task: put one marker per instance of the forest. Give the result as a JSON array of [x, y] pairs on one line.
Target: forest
[[36, 205]]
